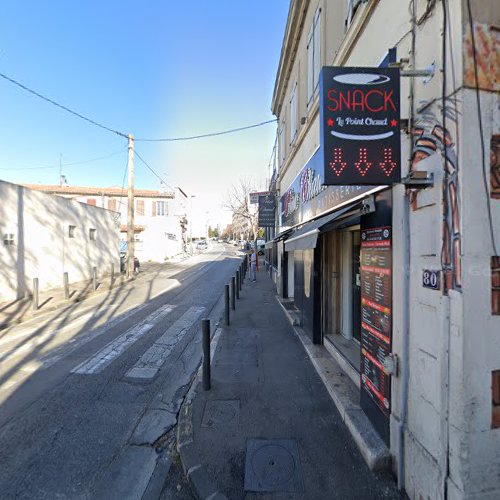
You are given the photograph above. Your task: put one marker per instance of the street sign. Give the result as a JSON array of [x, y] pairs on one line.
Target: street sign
[[359, 125], [254, 197], [267, 210]]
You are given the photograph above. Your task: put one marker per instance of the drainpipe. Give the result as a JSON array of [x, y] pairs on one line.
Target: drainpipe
[[405, 345]]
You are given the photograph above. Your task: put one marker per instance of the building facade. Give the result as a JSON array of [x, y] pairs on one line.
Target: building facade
[[160, 217], [45, 236], [400, 273]]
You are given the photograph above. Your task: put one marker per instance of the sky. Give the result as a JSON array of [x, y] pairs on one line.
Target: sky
[[155, 69]]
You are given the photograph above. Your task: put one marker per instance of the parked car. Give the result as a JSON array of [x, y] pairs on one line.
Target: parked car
[[201, 245]]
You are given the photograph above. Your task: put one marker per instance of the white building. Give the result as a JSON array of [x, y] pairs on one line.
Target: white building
[[160, 217], [45, 236], [439, 415]]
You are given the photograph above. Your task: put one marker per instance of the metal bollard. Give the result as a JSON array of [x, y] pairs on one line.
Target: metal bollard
[[233, 293], [226, 300], [241, 277], [35, 294], [94, 278], [205, 332], [66, 285], [237, 284]]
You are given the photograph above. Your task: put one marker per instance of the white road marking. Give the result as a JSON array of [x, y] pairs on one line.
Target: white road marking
[[152, 360], [114, 349]]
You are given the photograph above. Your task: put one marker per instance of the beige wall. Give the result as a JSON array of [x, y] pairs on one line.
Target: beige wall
[[42, 248]]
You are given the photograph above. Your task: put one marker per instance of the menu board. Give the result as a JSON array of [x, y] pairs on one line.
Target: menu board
[[376, 321]]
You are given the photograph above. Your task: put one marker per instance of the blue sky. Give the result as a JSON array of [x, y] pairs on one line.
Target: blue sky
[[154, 69]]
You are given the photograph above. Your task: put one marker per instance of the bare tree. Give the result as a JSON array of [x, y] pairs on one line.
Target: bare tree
[[245, 215]]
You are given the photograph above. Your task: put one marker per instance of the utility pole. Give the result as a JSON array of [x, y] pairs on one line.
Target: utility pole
[[130, 211]]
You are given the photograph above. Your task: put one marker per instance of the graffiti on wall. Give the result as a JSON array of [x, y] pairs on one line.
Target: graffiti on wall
[[487, 47], [429, 138]]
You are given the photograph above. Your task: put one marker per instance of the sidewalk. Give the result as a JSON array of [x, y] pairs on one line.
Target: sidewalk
[[268, 427], [18, 311]]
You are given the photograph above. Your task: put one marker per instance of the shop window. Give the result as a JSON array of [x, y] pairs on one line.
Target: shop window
[[495, 399], [313, 57], [8, 239], [71, 231], [495, 285], [92, 234]]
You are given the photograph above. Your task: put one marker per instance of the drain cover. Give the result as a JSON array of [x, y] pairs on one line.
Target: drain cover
[[273, 465], [221, 411]]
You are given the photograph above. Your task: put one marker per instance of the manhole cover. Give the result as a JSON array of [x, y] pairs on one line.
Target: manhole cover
[[220, 412], [272, 465]]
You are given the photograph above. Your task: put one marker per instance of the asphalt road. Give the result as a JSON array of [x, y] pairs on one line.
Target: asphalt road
[[89, 395]]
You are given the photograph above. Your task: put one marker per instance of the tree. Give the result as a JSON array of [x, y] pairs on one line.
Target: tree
[[245, 215]]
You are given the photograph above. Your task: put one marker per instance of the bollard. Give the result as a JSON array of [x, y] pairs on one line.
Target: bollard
[[66, 285], [237, 284], [233, 293], [241, 277], [112, 275], [205, 331], [226, 299], [94, 278], [35, 294]]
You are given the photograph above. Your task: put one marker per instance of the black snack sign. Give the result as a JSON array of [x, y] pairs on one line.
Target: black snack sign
[[359, 120], [376, 317], [267, 210]]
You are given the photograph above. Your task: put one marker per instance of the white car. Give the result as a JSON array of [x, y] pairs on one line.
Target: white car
[[201, 245]]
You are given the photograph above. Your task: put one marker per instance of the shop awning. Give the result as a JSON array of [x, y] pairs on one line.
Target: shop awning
[[306, 237]]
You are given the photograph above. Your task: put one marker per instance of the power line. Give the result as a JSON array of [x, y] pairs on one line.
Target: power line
[[152, 170], [121, 134], [212, 134], [65, 164], [68, 110]]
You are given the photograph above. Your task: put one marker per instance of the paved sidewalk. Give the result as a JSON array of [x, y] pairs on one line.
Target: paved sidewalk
[[268, 427], [18, 311]]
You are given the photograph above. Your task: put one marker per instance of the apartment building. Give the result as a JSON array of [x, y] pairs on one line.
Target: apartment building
[[423, 350], [160, 216]]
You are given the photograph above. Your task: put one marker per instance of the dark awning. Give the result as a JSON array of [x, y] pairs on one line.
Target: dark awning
[[306, 236]]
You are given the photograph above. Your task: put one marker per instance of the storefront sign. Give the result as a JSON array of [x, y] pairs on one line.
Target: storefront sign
[[376, 315], [359, 121], [267, 210], [254, 197], [307, 197]]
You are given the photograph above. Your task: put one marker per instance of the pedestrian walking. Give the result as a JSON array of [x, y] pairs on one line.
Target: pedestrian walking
[[253, 266]]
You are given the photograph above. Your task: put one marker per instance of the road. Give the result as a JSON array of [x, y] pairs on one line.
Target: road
[[89, 395]]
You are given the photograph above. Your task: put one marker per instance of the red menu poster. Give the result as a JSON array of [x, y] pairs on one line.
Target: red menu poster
[[376, 321]]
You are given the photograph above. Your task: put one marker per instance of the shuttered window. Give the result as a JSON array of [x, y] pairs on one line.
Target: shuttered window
[[313, 57], [112, 204], [293, 113], [139, 207]]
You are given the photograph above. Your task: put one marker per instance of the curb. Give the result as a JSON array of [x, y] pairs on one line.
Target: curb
[[345, 396], [198, 477]]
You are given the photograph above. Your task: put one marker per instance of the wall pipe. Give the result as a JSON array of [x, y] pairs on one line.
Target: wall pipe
[[405, 344]]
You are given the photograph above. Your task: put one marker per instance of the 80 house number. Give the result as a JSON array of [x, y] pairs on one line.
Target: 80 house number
[[431, 279]]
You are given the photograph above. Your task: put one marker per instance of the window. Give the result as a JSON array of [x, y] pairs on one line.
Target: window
[[112, 204], [495, 399], [8, 239], [92, 234], [161, 208], [91, 201], [282, 152], [495, 285], [313, 57], [352, 7], [139, 207], [293, 113], [71, 231]]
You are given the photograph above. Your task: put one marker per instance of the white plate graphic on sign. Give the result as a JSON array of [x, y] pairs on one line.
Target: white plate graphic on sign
[[358, 137], [361, 79]]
